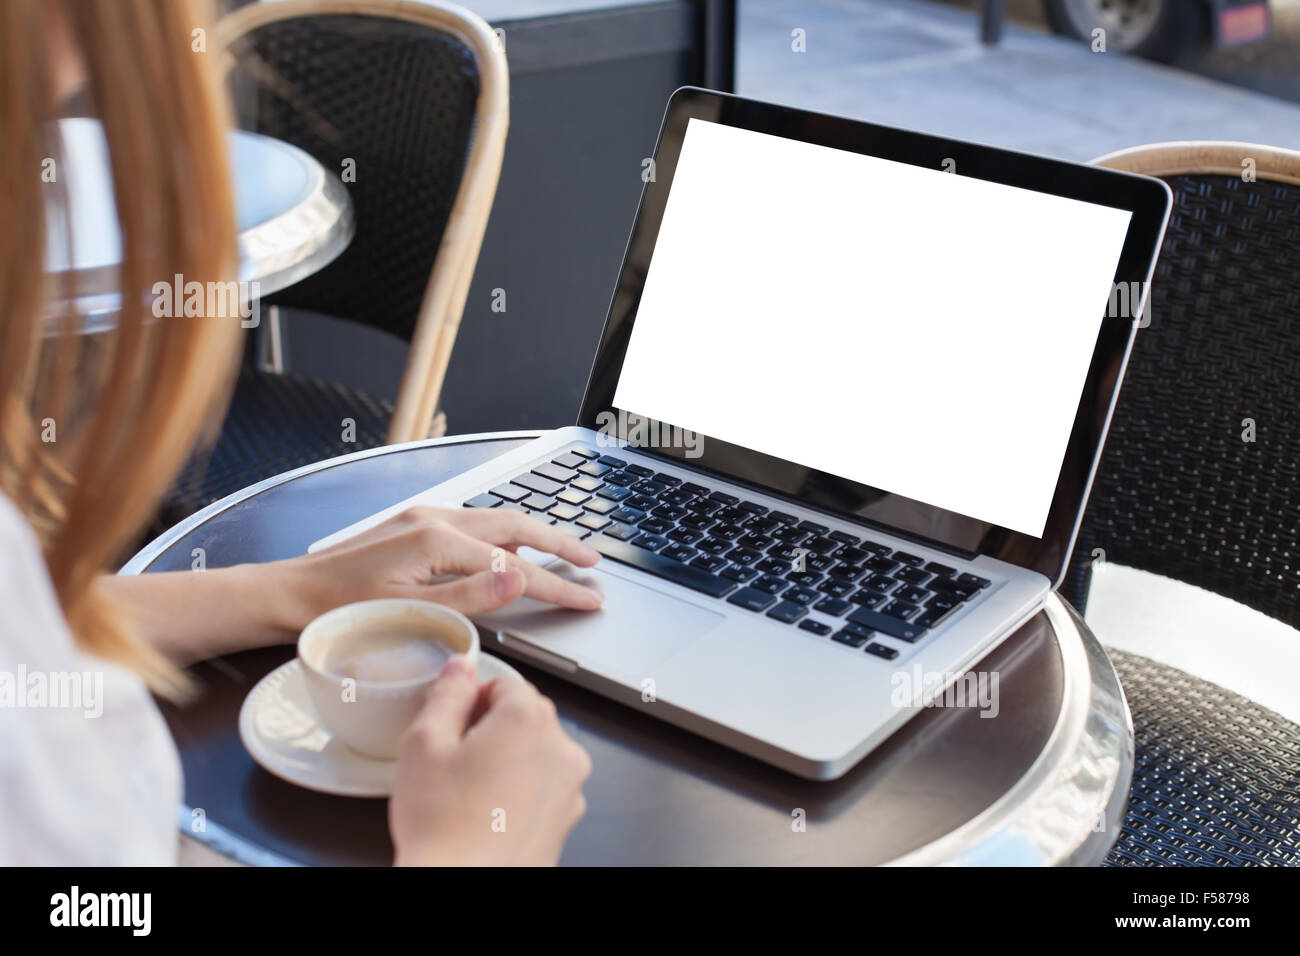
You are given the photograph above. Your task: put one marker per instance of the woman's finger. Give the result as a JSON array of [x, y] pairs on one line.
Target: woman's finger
[[451, 550], [477, 593], [507, 527]]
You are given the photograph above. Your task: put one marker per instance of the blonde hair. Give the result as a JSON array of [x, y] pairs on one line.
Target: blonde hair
[[126, 406]]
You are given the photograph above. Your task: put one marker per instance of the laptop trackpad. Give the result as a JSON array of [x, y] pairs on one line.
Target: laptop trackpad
[[634, 631]]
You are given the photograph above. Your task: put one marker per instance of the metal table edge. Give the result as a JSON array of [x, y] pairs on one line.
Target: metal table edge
[[1066, 810]]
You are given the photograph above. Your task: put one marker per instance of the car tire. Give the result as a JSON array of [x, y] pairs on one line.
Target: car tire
[[1163, 30]]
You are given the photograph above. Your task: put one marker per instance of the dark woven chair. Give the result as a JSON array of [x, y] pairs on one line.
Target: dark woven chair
[[1180, 493], [412, 99]]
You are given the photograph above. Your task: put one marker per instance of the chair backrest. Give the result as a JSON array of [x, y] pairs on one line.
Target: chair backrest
[[1200, 477], [407, 103]]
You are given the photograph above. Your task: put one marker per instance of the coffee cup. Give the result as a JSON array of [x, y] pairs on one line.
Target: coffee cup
[[368, 666]]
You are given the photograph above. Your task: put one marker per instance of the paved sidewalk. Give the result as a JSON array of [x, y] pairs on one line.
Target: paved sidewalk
[[920, 65]]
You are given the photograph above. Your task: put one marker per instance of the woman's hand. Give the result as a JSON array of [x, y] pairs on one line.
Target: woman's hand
[[485, 776], [190, 615], [404, 557]]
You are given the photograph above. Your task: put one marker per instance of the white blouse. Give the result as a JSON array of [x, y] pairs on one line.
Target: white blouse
[[89, 774]]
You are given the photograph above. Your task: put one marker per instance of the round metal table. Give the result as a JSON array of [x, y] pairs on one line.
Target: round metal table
[[293, 218], [1044, 782]]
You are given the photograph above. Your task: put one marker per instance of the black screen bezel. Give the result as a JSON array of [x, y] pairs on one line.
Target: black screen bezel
[[1148, 200]]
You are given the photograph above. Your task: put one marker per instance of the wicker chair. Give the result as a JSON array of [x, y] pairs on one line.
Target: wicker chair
[[413, 96], [1182, 493]]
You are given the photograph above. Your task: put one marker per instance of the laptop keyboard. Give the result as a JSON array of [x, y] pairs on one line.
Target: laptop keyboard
[[759, 559]]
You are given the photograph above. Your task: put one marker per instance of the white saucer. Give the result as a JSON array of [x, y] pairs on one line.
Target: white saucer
[[280, 730]]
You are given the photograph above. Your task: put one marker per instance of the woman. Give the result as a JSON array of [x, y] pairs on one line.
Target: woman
[[94, 429]]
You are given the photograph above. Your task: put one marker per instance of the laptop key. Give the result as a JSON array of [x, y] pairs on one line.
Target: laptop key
[[868, 598], [484, 500], [813, 527], [771, 584], [565, 512], [627, 515], [801, 595], [814, 626], [651, 542], [821, 544], [803, 578], [752, 508], [641, 471], [833, 606], [905, 558], [973, 581], [714, 546], [569, 460], [912, 595], [644, 502], [647, 487], [881, 651], [573, 496], [835, 587], [736, 573], [709, 562], [783, 517], [913, 575], [954, 589], [585, 451], [843, 537], [595, 469], [621, 478], [555, 472], [611, 461], [846, 572], [886, 624], [879, 564], [600, 506], [621, 532], [594, 522], [614, 493], [696, 521], [722, 498], [586, 483], [852, 555], [539, 502], [850, 638], [787, 612], [656, 526], [880, 582], [941, 602], [752, 599], [685, 535], [743, 555], [900, 609], [672, 481], [942, 570], [543, 486], [678, 552], [694, 489], [931, 616], [510, 492], [820, 562]]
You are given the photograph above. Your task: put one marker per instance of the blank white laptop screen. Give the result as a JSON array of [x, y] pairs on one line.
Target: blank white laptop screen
[[910, 329]]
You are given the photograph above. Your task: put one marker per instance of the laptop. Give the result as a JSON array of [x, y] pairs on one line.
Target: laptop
[[840, 427]]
